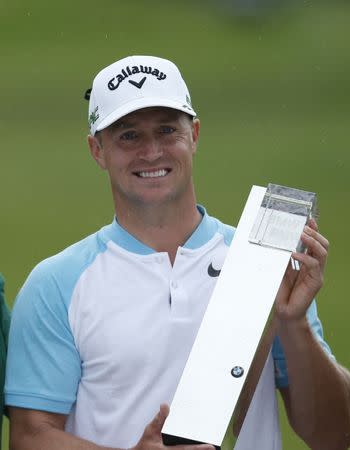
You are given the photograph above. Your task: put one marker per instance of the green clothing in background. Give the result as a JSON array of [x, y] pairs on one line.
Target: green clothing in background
[[4, 328]]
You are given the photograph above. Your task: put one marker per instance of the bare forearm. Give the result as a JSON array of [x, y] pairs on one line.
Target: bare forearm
[[49, 438], [319, 390]]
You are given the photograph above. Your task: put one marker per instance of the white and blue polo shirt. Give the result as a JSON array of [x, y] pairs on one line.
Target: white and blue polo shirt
[[102, 331]]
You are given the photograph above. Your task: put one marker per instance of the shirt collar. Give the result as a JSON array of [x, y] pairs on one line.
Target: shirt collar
[[200, 236]]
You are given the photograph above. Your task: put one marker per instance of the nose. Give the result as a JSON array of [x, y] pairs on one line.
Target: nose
[[151, 149]]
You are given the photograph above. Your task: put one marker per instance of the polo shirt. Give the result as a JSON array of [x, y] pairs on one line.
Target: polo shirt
[[102, 331]]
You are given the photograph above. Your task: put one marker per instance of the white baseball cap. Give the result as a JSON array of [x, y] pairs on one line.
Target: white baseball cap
[[134, 83]]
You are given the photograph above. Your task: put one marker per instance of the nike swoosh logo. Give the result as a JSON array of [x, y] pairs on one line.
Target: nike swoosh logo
[[213, 272], [139, 84]]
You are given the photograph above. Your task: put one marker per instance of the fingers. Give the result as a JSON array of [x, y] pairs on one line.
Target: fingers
[[299, 288], [315, 258], [152, 435], [314, 247], [164, 411], [317, 246], [317, 251], [312, 224], [311, 263], [312, 232], [157, 423], [194, 447]]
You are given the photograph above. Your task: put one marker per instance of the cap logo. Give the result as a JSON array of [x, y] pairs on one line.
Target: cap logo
[[127, 72], [93, 116], [188, 105], [138, 85]]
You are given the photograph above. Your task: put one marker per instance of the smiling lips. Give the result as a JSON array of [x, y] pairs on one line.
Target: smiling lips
[[153, 173]]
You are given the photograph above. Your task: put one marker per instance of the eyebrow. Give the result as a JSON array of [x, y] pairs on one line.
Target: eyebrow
[[118, 125], [167, 117]]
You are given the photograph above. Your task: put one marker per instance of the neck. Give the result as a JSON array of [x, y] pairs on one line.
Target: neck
[[162, 227]]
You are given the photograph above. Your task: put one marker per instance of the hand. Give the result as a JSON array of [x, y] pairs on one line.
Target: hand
[[299, 288], [152, 436]]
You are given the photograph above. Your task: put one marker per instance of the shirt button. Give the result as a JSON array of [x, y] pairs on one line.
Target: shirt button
[[174, 284], [159, 259]]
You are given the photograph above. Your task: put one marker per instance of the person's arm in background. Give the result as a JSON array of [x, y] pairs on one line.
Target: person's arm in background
[[4, 330], [317, 399]]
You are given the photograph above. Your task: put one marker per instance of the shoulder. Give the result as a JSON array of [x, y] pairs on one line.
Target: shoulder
[[73, 258], [58, 274]]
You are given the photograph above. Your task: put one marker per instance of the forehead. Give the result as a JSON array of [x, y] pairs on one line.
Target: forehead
[[157, 114]]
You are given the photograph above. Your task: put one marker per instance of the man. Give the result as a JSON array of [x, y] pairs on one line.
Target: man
[[4, 329], [101, 332]]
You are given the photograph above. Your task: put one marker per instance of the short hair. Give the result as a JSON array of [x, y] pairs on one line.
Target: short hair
[[98, 136]]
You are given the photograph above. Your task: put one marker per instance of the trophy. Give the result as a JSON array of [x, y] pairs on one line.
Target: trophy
[[235, 337]]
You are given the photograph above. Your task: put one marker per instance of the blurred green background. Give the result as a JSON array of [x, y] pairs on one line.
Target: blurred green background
[[271, 89]]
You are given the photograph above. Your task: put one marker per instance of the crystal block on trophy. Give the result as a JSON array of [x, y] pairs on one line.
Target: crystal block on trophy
[[282, 216]]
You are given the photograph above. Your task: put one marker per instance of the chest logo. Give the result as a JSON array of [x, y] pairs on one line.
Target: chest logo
[[213, 272]]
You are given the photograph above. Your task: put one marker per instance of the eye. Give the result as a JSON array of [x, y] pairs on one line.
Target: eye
[[128, 135], [167, 129]]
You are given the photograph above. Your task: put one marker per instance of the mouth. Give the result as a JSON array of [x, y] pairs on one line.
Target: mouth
[[152, 173]]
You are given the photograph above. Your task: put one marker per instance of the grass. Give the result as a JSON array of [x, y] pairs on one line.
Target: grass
[[272, 95]]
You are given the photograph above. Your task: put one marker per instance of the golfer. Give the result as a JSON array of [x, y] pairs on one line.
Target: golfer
[[101, 331]]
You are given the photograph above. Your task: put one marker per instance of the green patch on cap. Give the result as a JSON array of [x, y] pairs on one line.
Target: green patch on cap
[[93, 116]]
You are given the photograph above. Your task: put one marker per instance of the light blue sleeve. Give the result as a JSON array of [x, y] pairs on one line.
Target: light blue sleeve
[[43, 367], [281, 374]]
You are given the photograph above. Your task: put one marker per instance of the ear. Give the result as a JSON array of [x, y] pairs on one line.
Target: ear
[[195, 134], [96, 151]]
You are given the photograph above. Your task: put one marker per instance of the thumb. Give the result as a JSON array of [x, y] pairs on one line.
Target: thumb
[[157, 423]]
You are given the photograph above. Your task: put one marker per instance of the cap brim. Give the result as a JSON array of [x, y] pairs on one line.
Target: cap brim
[[141, 103]]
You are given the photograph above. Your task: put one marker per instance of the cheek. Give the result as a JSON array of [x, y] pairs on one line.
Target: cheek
[[117, 161], [185, 159], [182, 143]]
